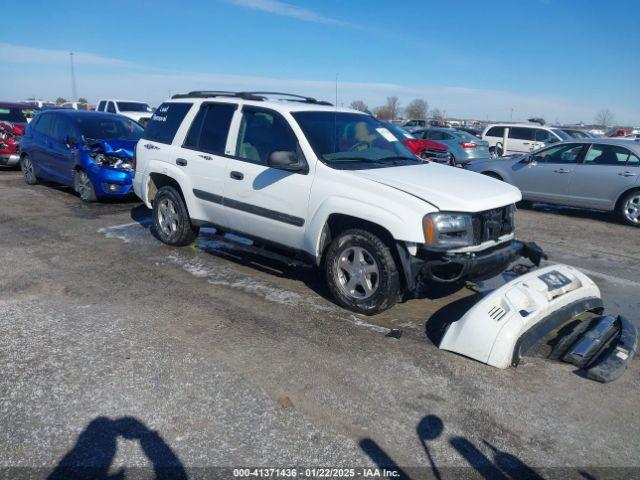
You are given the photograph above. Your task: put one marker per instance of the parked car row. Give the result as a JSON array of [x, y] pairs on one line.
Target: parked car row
[[334, 187], [363, 200]]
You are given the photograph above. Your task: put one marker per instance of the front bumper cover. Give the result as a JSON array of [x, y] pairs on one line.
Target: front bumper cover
[[558, 301]]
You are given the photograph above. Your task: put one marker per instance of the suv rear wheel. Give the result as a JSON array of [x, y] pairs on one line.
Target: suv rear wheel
[[171, 218], [361, 272]]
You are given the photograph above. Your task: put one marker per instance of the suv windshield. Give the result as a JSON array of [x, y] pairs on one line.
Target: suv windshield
[[108, 128], [133, 107], [340, 138], [13, 115]]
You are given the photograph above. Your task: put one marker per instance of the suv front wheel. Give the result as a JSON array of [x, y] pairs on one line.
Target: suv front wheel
[[171, 218], [361, 272]]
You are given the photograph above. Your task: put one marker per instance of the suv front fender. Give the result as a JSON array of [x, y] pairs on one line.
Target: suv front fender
[[407, 227]]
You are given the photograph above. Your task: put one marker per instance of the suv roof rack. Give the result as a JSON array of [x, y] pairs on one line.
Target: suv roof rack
[[294, 97], [216, 93], [256, 96]]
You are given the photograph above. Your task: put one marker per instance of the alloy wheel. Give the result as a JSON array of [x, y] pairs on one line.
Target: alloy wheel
[[631, 209], [27, 169], [357, 272], [167, 216]]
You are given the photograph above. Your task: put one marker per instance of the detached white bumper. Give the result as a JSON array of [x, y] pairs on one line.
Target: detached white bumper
[[509, 320]]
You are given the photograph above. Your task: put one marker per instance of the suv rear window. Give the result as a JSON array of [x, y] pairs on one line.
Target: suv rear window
[[210, 128], [165, 122]]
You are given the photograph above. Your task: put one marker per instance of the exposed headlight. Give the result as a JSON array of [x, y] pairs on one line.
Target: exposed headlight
[[447, 230], [113, 162]]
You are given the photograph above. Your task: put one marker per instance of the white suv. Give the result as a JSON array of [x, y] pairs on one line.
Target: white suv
[[137, 111], [522, 137], [332, 186]]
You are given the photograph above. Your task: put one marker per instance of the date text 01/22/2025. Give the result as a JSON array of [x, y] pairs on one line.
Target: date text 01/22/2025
[[315, 473]]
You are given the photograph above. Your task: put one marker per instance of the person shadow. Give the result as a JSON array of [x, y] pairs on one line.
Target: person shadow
[[94, 451], [503, 465]]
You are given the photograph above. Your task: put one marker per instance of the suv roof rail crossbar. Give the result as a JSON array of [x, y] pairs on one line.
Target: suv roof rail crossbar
[[294, 97], [256, 96], [216, 93]]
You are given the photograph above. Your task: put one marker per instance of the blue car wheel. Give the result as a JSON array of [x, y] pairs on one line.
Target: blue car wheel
[[82, 184], [28, 170]]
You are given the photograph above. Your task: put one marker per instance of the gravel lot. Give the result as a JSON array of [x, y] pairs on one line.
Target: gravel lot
[[118, 351]]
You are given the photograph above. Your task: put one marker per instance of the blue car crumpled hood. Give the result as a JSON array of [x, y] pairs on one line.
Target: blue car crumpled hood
[[114, 148]]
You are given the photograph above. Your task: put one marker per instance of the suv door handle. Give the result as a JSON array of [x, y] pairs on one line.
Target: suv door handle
[[628, 174], [236, 175], [181, 161], [561, 170], [525, 143]]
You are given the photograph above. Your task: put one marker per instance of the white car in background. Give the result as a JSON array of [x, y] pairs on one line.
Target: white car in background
[[137, 111], [523, 137], [76, 105]]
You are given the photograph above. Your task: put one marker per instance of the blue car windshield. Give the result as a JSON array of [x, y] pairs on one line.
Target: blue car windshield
[[109, 128], [351, 138]]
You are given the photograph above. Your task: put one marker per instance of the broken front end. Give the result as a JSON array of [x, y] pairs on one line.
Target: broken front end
[[110, 166]]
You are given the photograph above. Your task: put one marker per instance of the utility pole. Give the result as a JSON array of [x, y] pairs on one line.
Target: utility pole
[[511, 114], [74, 90]]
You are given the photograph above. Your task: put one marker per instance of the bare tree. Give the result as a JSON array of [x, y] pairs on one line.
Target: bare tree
[[383, 112], [437, 114], [605, 117], [417, 109], [359, 105], [393, 106]]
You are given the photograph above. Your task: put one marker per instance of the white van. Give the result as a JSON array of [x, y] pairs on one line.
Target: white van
[[523, 137]]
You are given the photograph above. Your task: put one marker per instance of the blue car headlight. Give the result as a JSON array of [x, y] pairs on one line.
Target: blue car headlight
[[448, 230], [105, 160]]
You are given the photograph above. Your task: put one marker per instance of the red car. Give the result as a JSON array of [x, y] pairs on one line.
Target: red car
[[618, 132], [13, 121], [425, 149]]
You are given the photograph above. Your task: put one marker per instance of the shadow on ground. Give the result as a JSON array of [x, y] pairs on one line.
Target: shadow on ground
[[277, 262], [501, 465], [94, 452]]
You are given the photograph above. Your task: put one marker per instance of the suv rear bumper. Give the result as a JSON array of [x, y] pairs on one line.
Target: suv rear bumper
[[453, 267]]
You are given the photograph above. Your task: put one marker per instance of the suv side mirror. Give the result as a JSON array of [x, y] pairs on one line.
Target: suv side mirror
[[284, 160]]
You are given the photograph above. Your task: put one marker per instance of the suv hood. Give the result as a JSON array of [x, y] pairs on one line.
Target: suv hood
[[446, 188]]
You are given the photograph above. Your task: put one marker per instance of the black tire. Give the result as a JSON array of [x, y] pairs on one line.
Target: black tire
[[629, 208], [83, 185], [171, 218], [496, 151], [28, 170], [383, 285]]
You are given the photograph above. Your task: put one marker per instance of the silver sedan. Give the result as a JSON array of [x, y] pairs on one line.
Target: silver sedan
[[596, 173]]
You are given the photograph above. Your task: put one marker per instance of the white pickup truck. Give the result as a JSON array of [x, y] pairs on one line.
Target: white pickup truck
[[332, 186]]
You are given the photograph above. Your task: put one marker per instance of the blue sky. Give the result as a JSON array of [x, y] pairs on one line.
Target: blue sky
[[560, 59]]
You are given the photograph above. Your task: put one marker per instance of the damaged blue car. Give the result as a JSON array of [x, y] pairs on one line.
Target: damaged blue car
[[93, 152]]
